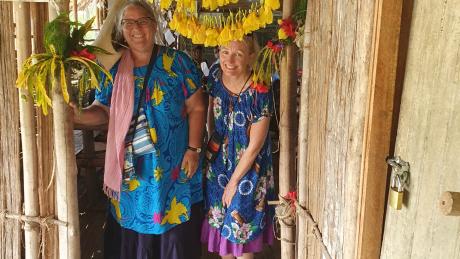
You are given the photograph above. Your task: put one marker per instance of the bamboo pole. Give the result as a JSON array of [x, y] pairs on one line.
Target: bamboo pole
[[66, 178], [27, 122], [10, 178], [302, 185], [66, 171], [46, 188], [288, 128]]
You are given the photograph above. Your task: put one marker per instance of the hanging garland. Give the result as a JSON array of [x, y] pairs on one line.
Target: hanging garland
[[291, 31], [211, 31], [64, 53], [219, 30]]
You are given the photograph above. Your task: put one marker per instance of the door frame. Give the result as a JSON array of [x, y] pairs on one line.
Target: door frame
[[390, 44]]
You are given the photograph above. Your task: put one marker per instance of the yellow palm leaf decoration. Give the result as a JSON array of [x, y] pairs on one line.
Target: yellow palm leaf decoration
[[273, 4], [266, 15], [164, 4], [172, 216]]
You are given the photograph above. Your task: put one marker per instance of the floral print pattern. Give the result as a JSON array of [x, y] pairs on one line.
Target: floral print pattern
[[216, 217], [242, 233], [248, 213], [156, 198]]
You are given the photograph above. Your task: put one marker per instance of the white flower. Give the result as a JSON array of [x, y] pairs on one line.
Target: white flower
[[217, 107], [216, 218], [239, 153]]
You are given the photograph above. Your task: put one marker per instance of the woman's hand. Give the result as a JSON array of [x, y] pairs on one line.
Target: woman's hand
[[95, 115], [229, 192], [190, 162]]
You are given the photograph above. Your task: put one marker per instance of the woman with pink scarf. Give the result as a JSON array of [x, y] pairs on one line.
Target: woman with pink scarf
[[156, 189]]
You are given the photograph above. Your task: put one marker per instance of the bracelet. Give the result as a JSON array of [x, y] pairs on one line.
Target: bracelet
[[194, 149]]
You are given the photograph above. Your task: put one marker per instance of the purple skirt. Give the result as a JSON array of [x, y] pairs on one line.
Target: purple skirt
[[218, 244]]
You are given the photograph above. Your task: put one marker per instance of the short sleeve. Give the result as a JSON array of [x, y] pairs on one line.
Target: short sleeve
[[212, 78], [263, 106], [104, 93], [188, 73]]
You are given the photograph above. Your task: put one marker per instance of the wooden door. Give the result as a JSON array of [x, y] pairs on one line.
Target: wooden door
[[428, 136]]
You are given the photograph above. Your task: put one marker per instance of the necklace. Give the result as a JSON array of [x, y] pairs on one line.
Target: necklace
[[231, 117], [231, 104], [242, 87]]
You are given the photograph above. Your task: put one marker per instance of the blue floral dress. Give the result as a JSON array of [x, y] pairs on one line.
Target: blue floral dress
[[157, 195], [248, 214]]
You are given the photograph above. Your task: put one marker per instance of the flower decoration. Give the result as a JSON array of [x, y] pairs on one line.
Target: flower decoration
[[219, 30], [84, 53], [287, 29], [66, 54], [290, 31], [267, 63]]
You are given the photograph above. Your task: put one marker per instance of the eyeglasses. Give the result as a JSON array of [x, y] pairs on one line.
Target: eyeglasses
[[141, 22]]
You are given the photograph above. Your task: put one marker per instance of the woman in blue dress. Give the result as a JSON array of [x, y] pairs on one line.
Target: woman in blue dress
[[239, 179], [155, 195]]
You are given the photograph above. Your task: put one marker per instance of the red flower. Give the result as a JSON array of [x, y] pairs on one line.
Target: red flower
[[276, 48], [288, 26], [83, 53], [291, 196], [259, 87]]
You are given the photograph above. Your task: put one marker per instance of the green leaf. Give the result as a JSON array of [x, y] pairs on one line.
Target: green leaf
[[65, 93]]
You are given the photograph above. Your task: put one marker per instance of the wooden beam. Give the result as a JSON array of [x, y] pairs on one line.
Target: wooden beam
[[379, 120], [340, 64]]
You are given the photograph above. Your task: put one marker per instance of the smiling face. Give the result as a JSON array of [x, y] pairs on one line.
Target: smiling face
[[138, 29], [236, 58]]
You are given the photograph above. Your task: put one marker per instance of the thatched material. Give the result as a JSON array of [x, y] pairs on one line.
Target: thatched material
[[10, 185]]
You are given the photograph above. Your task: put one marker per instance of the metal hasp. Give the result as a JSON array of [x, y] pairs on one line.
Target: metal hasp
[[400, 171]]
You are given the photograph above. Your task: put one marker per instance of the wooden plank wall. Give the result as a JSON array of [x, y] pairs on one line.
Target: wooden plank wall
[[10, 185], [429, 136], [340, 59]]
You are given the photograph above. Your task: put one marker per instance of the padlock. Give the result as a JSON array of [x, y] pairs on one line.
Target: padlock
[[396, 192]]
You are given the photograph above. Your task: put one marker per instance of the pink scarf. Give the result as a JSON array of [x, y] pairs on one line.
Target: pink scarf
[[121, 112]]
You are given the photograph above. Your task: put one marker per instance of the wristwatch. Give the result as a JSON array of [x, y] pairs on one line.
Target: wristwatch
[[194, 149]]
